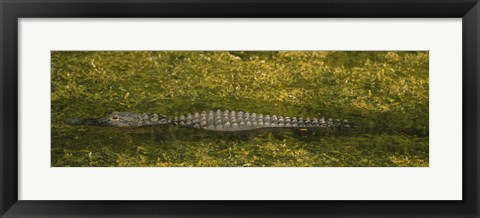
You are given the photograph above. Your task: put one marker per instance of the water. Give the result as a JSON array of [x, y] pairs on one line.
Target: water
[[385, 93], [176, 146]]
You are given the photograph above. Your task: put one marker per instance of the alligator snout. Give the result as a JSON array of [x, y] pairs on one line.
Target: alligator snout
[[76, 121]]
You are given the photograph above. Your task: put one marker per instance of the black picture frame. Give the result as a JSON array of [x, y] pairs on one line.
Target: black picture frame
[[11, 11]]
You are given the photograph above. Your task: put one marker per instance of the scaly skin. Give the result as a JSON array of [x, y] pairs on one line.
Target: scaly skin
[[213, 120]]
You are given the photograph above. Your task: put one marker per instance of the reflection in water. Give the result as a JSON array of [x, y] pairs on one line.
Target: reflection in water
[[177, 146]]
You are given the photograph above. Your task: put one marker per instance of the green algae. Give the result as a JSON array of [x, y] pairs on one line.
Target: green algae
[[384, 92]]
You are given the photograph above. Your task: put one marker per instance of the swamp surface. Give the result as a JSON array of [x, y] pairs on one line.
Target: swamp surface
[[384, 93]]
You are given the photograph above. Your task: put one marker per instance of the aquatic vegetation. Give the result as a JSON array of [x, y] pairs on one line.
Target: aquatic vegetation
[[384, 92]]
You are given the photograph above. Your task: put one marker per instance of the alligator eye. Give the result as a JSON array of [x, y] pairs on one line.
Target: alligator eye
[[115, 118]]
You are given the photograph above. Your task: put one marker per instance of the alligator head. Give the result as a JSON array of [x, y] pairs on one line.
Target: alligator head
[[123, 119]]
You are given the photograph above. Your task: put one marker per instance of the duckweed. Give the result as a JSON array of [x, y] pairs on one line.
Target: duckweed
[[385, 93]]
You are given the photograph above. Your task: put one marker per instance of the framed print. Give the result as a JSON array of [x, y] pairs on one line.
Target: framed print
[[226, 108]]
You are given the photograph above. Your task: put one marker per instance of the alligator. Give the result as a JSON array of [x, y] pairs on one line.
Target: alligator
[[213, 120]]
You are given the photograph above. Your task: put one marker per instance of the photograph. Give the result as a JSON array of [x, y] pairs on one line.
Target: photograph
[[318, 108], [239, 108]]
